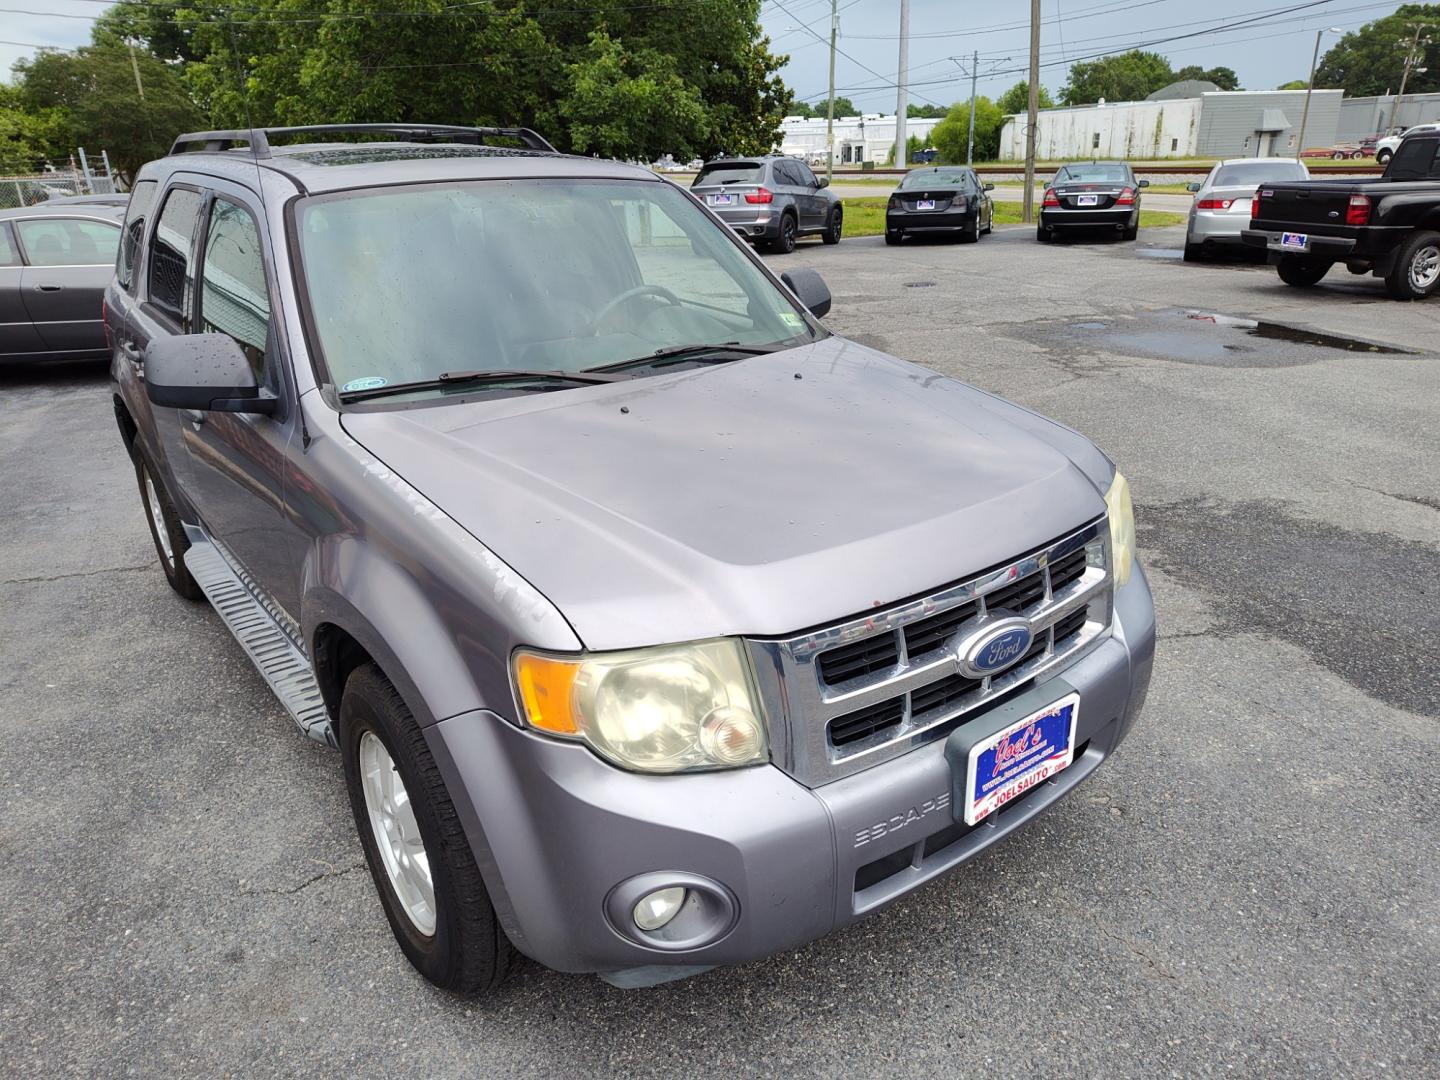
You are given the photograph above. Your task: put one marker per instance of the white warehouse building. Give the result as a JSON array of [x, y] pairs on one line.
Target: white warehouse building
[[1202, 124], [857, 138]]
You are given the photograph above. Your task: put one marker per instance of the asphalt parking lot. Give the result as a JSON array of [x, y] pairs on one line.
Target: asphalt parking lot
[[1249, 887]]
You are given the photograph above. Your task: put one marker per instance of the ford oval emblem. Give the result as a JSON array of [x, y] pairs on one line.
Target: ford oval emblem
[[994, 647]]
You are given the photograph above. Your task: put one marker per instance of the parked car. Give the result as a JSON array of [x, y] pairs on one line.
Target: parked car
[[771, 200], [1221, 210], [1091, 195], [55, 262], [1385, 148], [948, 199], [527, 485], [1388, 227]]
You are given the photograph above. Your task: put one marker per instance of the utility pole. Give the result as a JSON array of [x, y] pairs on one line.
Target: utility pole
[[1031, 111], [902, 99], [1310, 88], [974, 75], [830, 103], [135, 67], [1413, 54]]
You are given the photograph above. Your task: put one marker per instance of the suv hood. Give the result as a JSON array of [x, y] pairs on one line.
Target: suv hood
[[759, 497]]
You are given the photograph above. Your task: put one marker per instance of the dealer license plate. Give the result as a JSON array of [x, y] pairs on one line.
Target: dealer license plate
[[1295, 241], [1087, 200], [1012, 761], [720, 200], [924, 204]]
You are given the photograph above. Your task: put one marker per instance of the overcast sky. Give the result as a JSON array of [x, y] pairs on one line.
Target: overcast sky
[[1273, 48]]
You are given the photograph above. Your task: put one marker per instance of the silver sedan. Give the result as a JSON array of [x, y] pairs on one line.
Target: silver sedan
[[1222, 202]]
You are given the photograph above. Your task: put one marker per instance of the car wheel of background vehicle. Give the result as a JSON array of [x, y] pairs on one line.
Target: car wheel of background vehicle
[[1337, 156], [421, 861], [171, 543], [1193, 252], [1382, 157], [971, 233], [785, 242], [1132, 230], [892, 236], [1041, 235], [1416, 272], [1302, 273], [1356, 155], [831, 235]]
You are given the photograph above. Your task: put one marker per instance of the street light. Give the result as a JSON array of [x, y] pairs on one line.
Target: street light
[[1310, 87]]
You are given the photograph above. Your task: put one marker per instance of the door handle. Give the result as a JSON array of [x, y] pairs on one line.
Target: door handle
[[48, 288], [195, 416]]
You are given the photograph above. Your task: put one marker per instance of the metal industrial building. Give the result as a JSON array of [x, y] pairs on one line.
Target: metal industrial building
[[1203, 124], [1361, 116]]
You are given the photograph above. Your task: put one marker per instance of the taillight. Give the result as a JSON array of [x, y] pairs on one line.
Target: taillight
[[1255, 205], [1213, 204], [1358, 212], [1127, 197], [1051, 199], [764, 195]]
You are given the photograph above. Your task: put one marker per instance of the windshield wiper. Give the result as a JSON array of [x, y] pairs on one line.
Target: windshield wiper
[[457, 378], [675, 353]]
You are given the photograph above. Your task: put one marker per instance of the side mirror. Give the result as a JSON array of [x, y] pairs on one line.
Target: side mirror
[[987, 187], [1142, 183], [810, 289], [822, 182], [205, 372], [1194, 185]]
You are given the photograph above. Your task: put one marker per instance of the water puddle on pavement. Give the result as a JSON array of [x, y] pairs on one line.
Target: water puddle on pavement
[[1160, 253], [1192, 336]]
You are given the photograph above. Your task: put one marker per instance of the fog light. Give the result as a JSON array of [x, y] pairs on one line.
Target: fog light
[[657, 908]]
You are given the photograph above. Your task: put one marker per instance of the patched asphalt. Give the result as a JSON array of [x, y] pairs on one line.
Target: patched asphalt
[[1249, 887]]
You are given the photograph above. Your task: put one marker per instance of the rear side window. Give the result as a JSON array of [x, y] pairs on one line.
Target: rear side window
[[171, 277], [68, 241], [730, 172], [9, 254], [234, 299], [133, 232]]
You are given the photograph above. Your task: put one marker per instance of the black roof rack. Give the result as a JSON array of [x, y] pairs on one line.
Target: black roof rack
[[258, 139]]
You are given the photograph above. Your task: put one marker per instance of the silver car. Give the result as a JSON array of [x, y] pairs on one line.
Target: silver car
[[55, 262], [770, 200], [1222, 201]]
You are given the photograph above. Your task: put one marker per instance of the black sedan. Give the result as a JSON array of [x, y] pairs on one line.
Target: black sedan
[[943, 199], [1091, 195]]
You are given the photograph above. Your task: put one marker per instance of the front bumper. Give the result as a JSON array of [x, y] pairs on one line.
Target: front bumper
[[555, 830], [1113, 217]]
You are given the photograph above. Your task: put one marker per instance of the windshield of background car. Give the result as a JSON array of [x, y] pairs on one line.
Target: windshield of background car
[[931, 178], [1092, 174], [730, 172], [1246, 173], [1417, 159], [406, 284]]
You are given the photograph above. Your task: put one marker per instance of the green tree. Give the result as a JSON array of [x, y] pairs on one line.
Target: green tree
[[1127, 76], [925, 112], [29, 140], [951, 135], [91, 100], [1293, 84], [624, 105], [843, 107], [1223, 77], [1371, 60], [1017, 99]]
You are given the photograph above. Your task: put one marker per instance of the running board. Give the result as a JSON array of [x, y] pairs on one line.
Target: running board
[[272, 651]]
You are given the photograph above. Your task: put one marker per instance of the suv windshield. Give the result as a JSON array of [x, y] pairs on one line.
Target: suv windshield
[[407, 284], [1092, 174], [730, 172], [923, 178], [1259, 172]]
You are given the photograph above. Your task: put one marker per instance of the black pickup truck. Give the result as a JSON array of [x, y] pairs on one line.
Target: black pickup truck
[[1389, 227]]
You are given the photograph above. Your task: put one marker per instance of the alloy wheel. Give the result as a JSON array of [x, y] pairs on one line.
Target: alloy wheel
[[157, 520], [397, 833]]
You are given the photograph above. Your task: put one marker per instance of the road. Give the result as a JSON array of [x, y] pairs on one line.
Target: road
[[1249, 887]]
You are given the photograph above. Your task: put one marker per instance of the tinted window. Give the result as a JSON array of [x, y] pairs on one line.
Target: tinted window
[[932, 178], [1095, 173], [141, 199], [1259, 172], [730, 172], [171, 278], [233, 297], [1416, 159], [806, 176], [9, 255], [68, 241]]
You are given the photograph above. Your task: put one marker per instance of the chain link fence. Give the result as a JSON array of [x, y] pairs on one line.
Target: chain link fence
[[33, 188]]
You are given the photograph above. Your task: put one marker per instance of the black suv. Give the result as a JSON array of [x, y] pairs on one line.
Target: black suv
[[772, 200]]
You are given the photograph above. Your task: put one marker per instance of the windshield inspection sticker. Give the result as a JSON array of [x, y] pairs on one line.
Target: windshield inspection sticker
[[373, 382], [790, 319]]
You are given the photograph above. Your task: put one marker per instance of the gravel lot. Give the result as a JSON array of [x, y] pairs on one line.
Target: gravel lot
[[1251, 886]]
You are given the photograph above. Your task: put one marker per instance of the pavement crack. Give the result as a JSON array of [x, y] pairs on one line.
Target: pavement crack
[[1418, 500], [78, 574], [329, 872]]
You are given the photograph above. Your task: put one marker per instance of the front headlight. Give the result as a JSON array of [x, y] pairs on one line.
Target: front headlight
[[665, 710], [1122, 527]]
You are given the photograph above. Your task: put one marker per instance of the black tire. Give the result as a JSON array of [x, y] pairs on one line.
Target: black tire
[[1416, 273], [970, 234], [789, 232], [1043, 236], [1132, 230], [833, 226], [1383, 157], [468, 952], [989, 224], [1300, 272], [892, 236], [1193, 252], [167, 530]]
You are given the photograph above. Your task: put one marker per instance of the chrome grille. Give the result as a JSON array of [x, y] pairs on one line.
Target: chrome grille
[[849, 696]]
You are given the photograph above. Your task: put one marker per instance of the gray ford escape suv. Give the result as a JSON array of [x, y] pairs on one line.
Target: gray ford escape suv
[[658, 628]]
